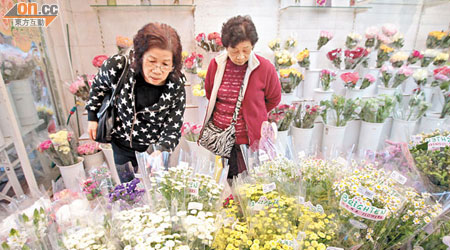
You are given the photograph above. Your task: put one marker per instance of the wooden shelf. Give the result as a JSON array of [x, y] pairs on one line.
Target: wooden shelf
[[103, 6], [325, 7]]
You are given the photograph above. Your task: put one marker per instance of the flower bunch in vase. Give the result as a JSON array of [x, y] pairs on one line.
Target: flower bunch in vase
[[445, 44], [376, 109], [82, 86], [98, 60], [193, 62], [434, 39], [371, 36], [339, 110], [428, 57], [326, 77], [324, 38], [303, 59], [335, 57], [128, 193], [290, 78], [88, 148], [384, 53], [398, 41], [352, 40], [440, 59], [354, 57], [414, 57], [402, 74], [199, 89], [420, 76], [284, 59], [411, 110], [15, 64], [60, 148], [305, 115], [91, 189], [282, 116], [387, 72], [123, 43], [191, 131], [45, 113], [350, 79], [290, 43], [367, 81], [212, 42], [275, 44], [398, 59], [442, 78]]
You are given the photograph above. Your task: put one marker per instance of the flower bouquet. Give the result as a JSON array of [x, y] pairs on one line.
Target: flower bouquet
[[60, 148], [445, 44], [383, 55], [414, 57], [398, 41], [193, 62], [398, 59], [376, 109], [87, 237], [284, 59], [428, 56], [290, 43], [440, 59], [88, 148], [389, 29], [434, 39], [303, 59], [350, 79], [275, 44], [15, 64], [387, 72], [191, 131], [402, 74], [354, 57], [420, 76], [338, 111], [199, 89], [290, 78], [282, 116], [306, 115], [371, 36], [412, 110], [324, 38], [352, 40], [81, 87], [211, 43], [123, 43], [326, 77], [367, 81], [98, 60], [335, 57]]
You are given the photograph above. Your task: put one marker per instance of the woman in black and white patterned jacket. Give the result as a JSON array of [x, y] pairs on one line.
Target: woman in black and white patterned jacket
[[151, 102]]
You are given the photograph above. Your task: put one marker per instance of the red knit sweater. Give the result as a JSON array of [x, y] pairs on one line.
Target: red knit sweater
[[227, 99]]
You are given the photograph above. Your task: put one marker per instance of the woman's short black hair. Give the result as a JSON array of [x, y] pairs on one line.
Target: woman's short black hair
[[238, 29]]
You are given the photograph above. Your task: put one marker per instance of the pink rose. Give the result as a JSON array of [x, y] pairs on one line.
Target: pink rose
[[186, 128], [370, 78], [44, 145], [441, 77], [326, 34], [386, 68], [200, 37], [389, 29], [405, 70], [98, 60], [352, 77], [371, 32], [384, 39], [417, 53], [77, 84]]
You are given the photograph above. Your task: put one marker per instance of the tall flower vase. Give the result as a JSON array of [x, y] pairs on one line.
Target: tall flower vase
[[352, 134], [369, 136], [386, 131], [438, 100], [310, 83], [355, 93], [301, 139], [314, 59], [339, 86], [333, 139], [430, 123], [372, 62], [198, 151], [386, 91], [288, 98], [402, 130], [322, 95], [202, 103], [93, 161], [109, 156], [23, 101], [283, 137], [428, 91], [73, 175]]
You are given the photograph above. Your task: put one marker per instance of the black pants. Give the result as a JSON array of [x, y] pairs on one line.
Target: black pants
[[122, 156], [236, 162]]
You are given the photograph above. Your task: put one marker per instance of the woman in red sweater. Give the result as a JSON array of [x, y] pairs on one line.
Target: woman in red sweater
[[226, 73]]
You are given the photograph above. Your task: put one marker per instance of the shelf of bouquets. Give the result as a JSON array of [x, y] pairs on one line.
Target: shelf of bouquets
[[383, 200]]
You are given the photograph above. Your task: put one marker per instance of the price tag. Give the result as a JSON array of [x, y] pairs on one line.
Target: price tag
[[193, 188], [195, 205], [437, 142], [301, 200], [365, 192], [269, 187], [396, 176], [429, 229], [263, 156]]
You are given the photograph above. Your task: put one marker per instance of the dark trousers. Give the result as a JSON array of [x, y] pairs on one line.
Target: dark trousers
[[121, 158], [236, 162]]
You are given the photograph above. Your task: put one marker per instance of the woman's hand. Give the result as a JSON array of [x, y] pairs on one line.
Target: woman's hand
[[92, 129]]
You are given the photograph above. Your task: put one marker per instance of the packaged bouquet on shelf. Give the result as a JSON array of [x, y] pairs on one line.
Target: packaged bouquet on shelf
[[434, 39], [339, 110], [398, 41], [199, 89], [81, 87], [275, 44], [428, 57], [290, 78], [210, 43], [445, 44], [350, 79], [412, 109], [326, 78], [420, 77], [352, 40], [371, 35], [324, 38], [305, 115], [402, 74], [398, 59], [282, 116], [284, 59], [61, 148], [440, 59], [335, 57], [354, 58], [414, 57], [290, 43], [303, 59], [193, 62], [367, 81], [387, 73], [376, 109], [384, 53]]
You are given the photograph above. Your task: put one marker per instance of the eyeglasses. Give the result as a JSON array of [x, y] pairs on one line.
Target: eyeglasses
[[153, 66]]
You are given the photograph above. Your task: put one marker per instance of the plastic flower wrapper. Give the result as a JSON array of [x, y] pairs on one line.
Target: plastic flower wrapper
[[275, 44], [412, 109], [389, 29], [367, 81], [282, 116], [290, 78], [434, 39], [212, 42], [440, 59], [420, 76], [127, 194], [387, 72], [352, 40], [384, 53], [60, 148], [284, 59], [305, 115], [382, 39], [82, 86], [414, 57], [326, 77], [303, 59], [376, 109], [193, 62], [398, 59], [431, 153], [435, 235], [402, 74], [445, 44], [335, 57], [339, 110], [398, 41], [290, 43], [15, 64], [324, 38], [371, 35], [191, 131], [354, 58], [428, 56], [350, 79]]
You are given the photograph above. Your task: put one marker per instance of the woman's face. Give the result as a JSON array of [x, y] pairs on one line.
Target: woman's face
[[156, 65], [239, 55]]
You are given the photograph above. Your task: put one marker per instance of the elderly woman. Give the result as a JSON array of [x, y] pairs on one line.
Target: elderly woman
[[151, 101], [238, 66]]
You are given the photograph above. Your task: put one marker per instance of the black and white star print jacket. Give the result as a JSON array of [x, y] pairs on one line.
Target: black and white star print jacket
[[158, 125]]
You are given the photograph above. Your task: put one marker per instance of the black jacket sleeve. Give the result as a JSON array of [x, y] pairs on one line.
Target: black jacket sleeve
[[103, 84]]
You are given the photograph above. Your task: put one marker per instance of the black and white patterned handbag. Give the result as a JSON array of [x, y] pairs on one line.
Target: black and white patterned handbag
[[221, 141]]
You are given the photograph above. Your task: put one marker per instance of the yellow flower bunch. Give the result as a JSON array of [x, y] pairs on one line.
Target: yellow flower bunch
[[44, 109], [60, 141], [201, 73], [437, 34], [440, 59], [184, 55], [302, 55], [319, 228], [275, 44], [284, 58], [198, 90], [290, 72], [386, 49]]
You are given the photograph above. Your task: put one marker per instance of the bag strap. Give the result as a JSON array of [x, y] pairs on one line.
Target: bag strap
[[238, 105]]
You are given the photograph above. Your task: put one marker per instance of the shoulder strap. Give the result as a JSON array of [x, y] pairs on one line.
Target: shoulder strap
[[120, 81], [238, 104]]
